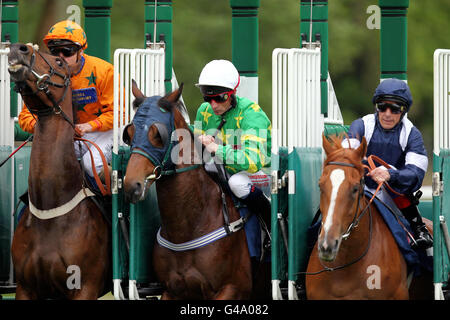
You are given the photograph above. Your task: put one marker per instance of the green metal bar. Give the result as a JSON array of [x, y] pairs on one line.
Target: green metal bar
[[97, 25], [117, 267], [164, 16], [10, 32], [303, 204], [244, 44], [133, 242], [319, 22], [276, 236], [393, 39], [279, 202], [437, 248]]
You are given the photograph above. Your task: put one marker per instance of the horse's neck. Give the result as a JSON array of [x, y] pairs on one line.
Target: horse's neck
[[189, 199], [55, 175]]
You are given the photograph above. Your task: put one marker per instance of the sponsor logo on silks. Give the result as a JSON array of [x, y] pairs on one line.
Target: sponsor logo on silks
[[84, 96]]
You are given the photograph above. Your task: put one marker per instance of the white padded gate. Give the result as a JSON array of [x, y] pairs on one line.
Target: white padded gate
[[296, 114], [146, 67], [441, 100]]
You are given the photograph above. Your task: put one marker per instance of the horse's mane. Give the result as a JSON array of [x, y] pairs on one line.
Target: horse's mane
[[343, 153]]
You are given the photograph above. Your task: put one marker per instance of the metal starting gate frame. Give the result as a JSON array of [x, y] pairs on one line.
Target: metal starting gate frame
[[441, 173], [134, 226], [297, 127]]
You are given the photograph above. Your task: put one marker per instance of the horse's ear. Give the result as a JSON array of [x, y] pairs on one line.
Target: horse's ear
[[136, 92], [327, 145], [139, 96], [175, 95], [362, 149]]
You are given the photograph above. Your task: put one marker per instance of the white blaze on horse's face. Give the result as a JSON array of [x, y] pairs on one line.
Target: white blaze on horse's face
[[337, 176]]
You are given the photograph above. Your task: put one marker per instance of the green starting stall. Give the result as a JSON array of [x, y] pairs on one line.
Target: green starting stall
[[304, 106], [134, 225], [441, 174], [297, 127]]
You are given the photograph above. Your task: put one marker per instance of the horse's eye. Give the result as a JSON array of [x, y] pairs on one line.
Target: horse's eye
[[59, 62], [355, 189]]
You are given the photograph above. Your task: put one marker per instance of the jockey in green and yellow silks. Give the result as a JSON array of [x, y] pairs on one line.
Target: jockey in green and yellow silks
[[245, 135], [237, 132]]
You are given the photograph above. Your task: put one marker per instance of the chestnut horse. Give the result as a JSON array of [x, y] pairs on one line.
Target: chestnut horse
[[356, 256], [191, 205], [61, 247]]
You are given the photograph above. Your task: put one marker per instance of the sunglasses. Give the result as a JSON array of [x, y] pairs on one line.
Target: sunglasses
[[219, 98], [395, 108], [66, 51]]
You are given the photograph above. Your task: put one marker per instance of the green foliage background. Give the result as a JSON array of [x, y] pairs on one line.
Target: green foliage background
[[202, 32]]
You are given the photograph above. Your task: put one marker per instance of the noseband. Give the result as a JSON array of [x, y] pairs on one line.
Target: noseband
[[352, 225], [43, 82]]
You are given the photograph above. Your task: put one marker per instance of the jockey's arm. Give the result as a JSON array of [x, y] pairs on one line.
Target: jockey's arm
[[254, 151], [409, 178], [105, 88], [26, 120]]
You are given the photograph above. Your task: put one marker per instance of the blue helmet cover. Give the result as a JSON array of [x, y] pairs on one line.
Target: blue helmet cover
[[148, 114], [393, 88]]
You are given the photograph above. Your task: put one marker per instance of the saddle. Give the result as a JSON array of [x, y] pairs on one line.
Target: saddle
[[257, 232]]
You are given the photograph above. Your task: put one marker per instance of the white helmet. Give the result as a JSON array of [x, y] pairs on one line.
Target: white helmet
[[219, 73]]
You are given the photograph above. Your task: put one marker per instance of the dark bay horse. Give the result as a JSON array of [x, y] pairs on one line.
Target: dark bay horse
[[354, 239], [190, 204], [61, 247]]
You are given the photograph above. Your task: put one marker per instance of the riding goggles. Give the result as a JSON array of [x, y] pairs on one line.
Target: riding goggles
[[219, 98], [395, 108], [66, 51]]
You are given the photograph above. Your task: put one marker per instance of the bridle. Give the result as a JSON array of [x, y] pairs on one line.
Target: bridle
[[356, 218], [43, 82]]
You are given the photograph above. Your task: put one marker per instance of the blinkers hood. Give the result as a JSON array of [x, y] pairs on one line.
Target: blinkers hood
[[148, 114]]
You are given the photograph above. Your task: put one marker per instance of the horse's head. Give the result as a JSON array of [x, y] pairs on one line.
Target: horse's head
[[42, 79], [149, 135], [341, 188]]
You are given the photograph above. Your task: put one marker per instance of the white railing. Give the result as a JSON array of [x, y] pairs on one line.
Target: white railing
[[441, 100], [146, 67], [334, 115], [6, 119], [296, 113]]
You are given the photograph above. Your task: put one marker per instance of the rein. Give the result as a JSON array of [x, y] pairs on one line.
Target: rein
[[42, 83], [227, 229], [356, 218]]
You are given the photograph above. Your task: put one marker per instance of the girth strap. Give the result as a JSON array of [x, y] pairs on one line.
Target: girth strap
[[61, 210], [203, 240]]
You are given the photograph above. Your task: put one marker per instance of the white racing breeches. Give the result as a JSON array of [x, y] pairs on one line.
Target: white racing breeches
[[104, 140], [241, 183]]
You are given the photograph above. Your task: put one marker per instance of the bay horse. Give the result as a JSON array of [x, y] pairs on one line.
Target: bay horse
[[356, 256], [191, 206], [61, 247]]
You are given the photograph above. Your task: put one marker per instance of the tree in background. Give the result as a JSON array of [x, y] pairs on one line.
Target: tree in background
[[202, 32]]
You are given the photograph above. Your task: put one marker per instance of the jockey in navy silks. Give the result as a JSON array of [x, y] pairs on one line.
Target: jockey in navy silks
[[392, 137]]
